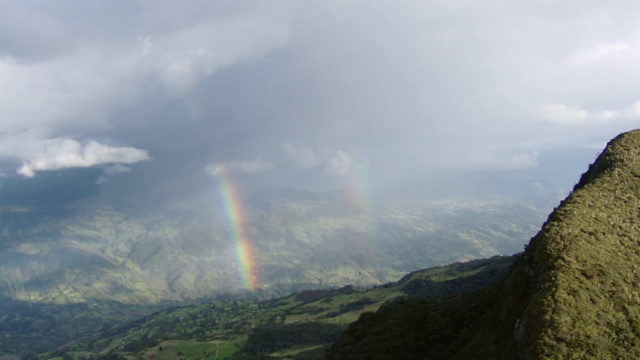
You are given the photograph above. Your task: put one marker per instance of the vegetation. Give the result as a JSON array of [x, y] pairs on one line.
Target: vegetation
[[299, 326], [573, 294], [585, 262], [77, 269], [28, 329], [87, 252]]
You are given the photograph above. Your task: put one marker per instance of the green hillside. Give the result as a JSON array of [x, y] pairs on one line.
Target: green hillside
[[572, 295], [299, 326]]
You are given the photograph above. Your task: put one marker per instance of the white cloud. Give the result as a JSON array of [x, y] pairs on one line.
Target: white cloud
[[335, 161], [257, 165], [75, 93], [302, 157], [67, 153], [111, 170], [634, 110], [116, 169], [180, 60], [561, 113], [572, 115], [598, 52], [339, 164]]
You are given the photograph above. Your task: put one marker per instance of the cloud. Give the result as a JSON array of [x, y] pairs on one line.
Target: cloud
[[570, 115], [302, 157], [257, 165], [145, 44], [183, 59], [561, 113], [335, 162], [339, 164], [111, 170], [116, 169], [72, 88], [395, 82], [68, 153], [539, 186], [598, 52], [634, 110]]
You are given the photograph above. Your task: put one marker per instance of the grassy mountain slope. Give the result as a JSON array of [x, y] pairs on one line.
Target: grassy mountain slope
[[586, 263], [573, 294], [299, 326]]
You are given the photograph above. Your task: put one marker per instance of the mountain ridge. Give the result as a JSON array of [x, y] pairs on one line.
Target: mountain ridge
[[573, 264], [573, 293]]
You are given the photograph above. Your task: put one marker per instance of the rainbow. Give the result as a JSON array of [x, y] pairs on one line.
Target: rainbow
[[360, 189], [235, 217]]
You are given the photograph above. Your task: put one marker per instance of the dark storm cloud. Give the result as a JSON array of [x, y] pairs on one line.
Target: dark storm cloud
[[291, 92]]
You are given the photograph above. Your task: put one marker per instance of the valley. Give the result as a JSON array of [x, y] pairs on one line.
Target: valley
[[298, 326], [88, 268], [89, 252]]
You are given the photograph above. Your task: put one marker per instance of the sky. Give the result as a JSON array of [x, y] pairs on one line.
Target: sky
[[434, 96]]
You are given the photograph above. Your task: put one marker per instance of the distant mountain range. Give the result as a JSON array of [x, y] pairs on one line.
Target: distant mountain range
[[86, 251]]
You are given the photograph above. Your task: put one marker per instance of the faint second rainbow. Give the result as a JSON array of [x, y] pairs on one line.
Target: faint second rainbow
[[235, 217], [360, 188]]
